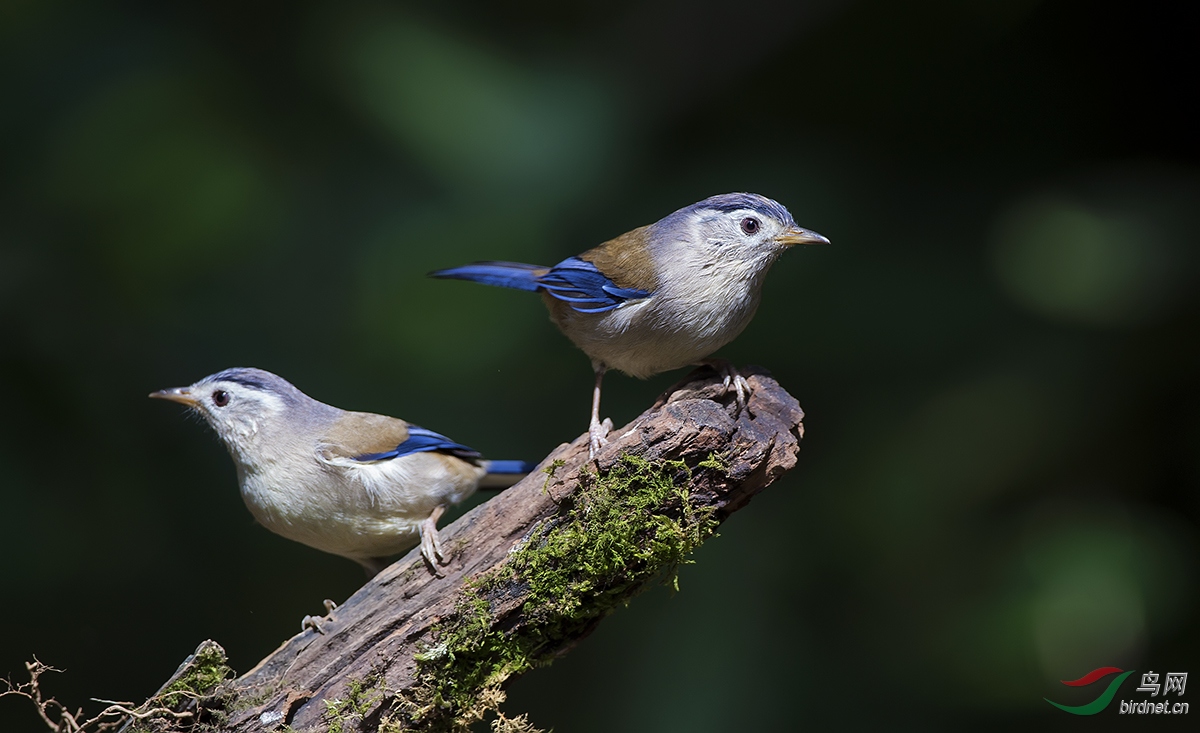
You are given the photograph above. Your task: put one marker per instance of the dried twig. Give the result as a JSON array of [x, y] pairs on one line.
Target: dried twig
[[60, 719]]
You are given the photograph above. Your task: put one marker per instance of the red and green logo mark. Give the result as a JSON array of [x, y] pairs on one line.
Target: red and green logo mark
[[1100, 702]]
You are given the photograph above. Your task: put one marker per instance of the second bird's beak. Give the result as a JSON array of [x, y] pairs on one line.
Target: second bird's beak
[[796, 235], [182, 395]]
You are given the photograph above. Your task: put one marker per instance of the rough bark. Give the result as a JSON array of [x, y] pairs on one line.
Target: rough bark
[[411, 650]]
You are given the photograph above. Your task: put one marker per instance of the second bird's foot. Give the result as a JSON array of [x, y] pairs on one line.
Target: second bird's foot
[[741, 386], [732, 379]]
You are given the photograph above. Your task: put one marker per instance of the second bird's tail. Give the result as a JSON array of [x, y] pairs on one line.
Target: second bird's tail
[[514, 275], [502, 474]]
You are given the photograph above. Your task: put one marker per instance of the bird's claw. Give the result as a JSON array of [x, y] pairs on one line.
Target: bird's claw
[[598, 436], [741, 386], [314, 622], [732, 379], [431, 543]]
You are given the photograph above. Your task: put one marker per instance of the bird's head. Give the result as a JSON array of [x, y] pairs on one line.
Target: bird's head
[[243, 403], [742, 226]]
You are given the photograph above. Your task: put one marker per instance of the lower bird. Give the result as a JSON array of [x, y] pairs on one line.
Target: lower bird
[[662, 296], [355, 484]]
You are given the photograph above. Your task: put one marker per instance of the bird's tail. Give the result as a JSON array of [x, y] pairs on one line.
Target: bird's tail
[[502, 474], [501, 274]]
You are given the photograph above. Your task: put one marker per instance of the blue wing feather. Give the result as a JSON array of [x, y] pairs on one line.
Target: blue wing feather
[[421, 440], [579, 283]]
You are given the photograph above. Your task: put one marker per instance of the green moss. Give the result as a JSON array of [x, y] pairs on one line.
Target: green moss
[[614, 535], [246, 701], [207, 670], [556, 464], [361, 696], [200, 681], [716, 462], [637, 522]]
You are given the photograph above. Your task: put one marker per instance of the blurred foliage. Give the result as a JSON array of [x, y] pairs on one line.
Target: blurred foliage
[[998, 354]]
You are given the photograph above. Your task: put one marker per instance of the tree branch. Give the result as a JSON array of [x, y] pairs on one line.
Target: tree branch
[[531, 573]]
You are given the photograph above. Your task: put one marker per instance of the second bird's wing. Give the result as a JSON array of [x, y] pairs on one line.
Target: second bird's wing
[[587, 290]]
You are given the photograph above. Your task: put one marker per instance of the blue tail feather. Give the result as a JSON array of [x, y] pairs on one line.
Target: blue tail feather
[[502, 474], [573, 281], [506, 467], [516, 275]]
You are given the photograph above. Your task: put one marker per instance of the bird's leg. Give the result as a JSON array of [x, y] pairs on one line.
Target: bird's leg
[[731, 378], [597, 430], [431, 545]]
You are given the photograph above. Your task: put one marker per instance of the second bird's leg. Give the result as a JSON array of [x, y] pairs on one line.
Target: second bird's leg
[[731, 378], [597, 430], [431, 545]]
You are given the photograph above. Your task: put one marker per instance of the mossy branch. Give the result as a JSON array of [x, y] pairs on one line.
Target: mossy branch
[[532, 572]]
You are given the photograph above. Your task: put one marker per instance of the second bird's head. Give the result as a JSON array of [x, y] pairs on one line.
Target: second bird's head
[[742, 226]]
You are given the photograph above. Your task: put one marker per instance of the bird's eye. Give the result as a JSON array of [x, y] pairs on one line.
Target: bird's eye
[[750, 225], [220, 398]]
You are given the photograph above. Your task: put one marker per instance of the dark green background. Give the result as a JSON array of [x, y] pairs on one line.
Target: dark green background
[[998, 354]]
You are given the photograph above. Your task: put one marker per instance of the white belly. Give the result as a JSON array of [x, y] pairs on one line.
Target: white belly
[[674, 328], [357, 510]]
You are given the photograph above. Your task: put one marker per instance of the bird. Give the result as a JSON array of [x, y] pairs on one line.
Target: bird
[[662, 296], [355, 484]]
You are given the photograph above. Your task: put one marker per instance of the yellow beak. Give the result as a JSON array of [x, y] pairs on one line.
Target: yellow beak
[[801, 236], [179, 394]]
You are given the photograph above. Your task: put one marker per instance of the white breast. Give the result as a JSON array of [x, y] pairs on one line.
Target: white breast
[[700, 306]]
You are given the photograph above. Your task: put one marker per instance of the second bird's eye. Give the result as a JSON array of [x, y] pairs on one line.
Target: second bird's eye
[[750, 225], [220, 398]]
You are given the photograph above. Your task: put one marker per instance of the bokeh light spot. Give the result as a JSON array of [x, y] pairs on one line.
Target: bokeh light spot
[[474, 118], [152, 170], [1075, 263]]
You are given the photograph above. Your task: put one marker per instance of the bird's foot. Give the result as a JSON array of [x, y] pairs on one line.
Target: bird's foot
[[314, 622], [431, 544], [741, 386], [731, 378], [598, 436]]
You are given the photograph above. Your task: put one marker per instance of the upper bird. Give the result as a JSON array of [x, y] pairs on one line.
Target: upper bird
[[355, 484], [662, 296]]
